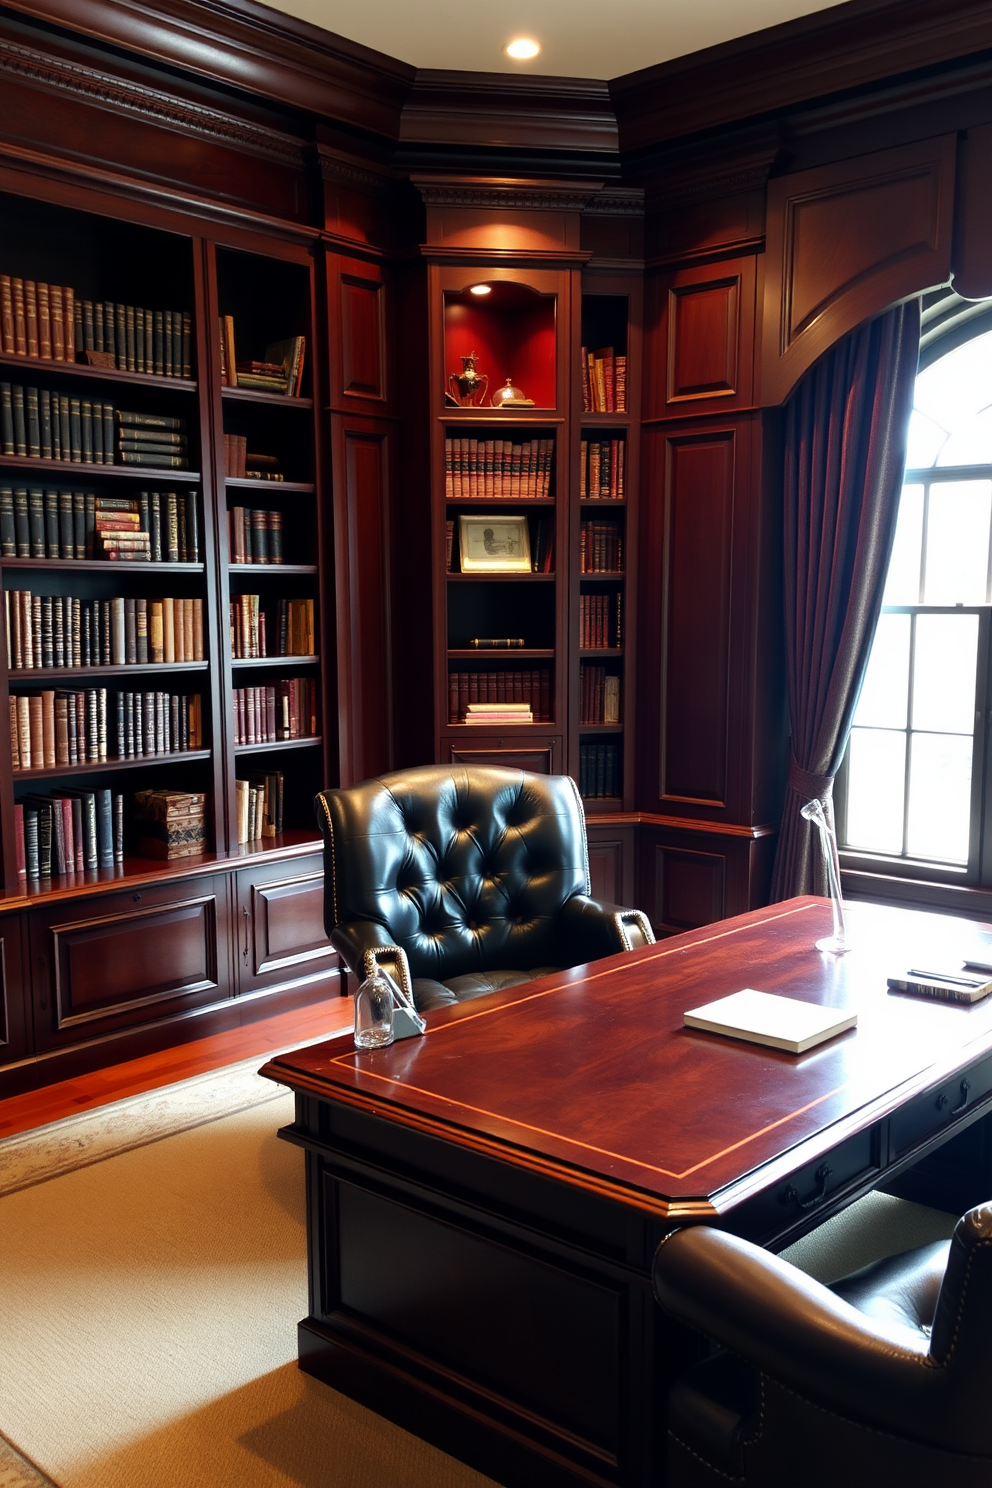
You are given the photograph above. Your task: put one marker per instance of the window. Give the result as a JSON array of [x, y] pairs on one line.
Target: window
[[910, 796]]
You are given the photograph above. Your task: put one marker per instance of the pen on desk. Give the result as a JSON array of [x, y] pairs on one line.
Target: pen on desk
[[943, 976]]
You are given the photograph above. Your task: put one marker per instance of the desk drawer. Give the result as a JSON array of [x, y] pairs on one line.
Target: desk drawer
[[929, 1114], [809, 1188]]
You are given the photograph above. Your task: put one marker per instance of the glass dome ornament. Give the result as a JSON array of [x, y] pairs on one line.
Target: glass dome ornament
[[510, 396]]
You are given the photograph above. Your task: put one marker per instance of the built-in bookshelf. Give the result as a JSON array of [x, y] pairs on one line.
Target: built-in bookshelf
[[607, 447], [160, 543]]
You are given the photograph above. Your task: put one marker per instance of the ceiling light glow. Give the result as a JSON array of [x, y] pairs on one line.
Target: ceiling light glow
[[480, 289], [522, 49]]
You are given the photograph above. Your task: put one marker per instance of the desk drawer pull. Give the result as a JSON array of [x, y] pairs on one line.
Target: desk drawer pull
[[791, 1194], [965, 1092]]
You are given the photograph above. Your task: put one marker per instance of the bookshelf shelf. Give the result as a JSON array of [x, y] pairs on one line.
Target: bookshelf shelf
[[267, 748], [267, 662], [500, 578], [143, 474], [273, 400], [488, 502], [522, 653], [272, 569], [105, 767], [593, 653], [271, 488], [268, 847], [82, 371], [25, 676], [101, 565]]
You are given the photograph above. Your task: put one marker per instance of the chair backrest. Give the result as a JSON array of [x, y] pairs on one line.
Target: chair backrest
[[466, 869]]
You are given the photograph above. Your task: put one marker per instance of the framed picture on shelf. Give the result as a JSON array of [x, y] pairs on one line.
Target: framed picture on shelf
[[494, 544]]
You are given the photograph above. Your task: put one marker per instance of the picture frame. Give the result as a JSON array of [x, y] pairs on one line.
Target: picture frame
[[494, 543]]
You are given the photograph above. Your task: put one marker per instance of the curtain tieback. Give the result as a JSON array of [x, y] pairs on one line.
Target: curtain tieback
[[808, 785]]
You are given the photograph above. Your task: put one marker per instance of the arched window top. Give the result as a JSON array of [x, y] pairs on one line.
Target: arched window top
[[952, 410]]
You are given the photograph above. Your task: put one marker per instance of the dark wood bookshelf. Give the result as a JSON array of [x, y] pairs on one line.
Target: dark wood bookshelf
[[312, 742], [264, 662], [19, 676], [115, 375], [275, 400], [523, 653], [273, 568], [242, 483], [87, 473], [102, 565]]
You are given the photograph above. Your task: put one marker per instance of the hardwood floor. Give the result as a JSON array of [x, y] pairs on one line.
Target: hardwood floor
[[323, 1019]]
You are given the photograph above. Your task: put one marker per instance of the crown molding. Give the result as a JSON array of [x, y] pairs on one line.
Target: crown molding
[[121, 95], [247, 46], [493, 110], [861, 43], [506, 193]]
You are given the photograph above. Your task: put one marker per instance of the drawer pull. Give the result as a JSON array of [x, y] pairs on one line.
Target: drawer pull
[[965, 1092], [791, 1194]]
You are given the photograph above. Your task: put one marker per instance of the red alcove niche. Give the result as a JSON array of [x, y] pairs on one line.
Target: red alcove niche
[[512, 332]]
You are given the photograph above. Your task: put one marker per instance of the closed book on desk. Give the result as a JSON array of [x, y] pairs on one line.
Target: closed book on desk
[[766, 1018]]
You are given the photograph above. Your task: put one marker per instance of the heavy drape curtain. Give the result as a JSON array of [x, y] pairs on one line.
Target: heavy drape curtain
[[845, 449]]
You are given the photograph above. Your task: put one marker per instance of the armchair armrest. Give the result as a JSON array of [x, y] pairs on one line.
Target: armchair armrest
[[364, 944], [809, 1340], [589, 930]]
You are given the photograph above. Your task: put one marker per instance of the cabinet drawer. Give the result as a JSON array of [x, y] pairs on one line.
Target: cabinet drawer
[[117, 961], [808, 1189], [929, 1114]]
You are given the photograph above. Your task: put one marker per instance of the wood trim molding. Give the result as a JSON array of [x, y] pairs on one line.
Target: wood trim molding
[[830, 51], [121, 95], [249, 47], [505, 194], [496, 110]]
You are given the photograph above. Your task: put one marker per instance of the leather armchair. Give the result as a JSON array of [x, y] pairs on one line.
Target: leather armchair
[[463, 881], [882, 1378]]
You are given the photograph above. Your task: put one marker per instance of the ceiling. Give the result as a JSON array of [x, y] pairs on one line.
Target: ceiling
[[579, 38]]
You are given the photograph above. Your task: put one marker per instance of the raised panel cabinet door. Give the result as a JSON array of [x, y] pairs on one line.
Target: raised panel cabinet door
[[845, 241], [708, 319], [357, 331], [15, 1014], [114, 963], [281, 937]]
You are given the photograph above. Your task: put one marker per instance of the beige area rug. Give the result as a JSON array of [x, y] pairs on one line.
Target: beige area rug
[[149, 1295]]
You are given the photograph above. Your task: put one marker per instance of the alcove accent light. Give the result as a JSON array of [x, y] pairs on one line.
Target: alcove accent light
[[480, 289], [522, 49]]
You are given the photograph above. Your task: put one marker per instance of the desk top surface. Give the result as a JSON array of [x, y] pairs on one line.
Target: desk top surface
[[591, 1076]]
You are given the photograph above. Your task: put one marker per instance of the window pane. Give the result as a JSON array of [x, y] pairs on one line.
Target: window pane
[[957, 557], [939, 797], [902, 585], [926, 440], [875, 789], [952, 390], [884, 697], [944, 673], [971, 444]]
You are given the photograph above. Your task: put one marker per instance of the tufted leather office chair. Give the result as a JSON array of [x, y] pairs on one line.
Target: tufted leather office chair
[[883, 1378], [463, 881]]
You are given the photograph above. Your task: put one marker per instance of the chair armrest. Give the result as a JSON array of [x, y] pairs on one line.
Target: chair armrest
[[809, 1340], [363, 944], [589, 930]]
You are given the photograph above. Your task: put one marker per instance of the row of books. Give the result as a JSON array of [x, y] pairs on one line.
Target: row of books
[[133, 339], [57, 726], [531, 686], [600, 621], [254, 536], [599, 770], [36, 523], [240, 463], [36, 424], [599, 700], [50, 321], [280, 369], [68, 831], [604, 381], [495, 713], [59, 630], [258, 803], [601, 469], [503, 469], [293, 630], [277, 711], [600, 547]]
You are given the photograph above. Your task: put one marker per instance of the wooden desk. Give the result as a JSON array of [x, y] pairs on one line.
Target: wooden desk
[[484, 1203]]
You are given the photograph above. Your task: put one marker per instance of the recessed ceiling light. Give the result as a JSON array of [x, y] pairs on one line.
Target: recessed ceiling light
[[522, 49], [480, 289]]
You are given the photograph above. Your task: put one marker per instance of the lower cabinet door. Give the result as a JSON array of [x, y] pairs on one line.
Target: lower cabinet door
[[538, 752], [15, 1015], [280, 926], [121, 960]]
